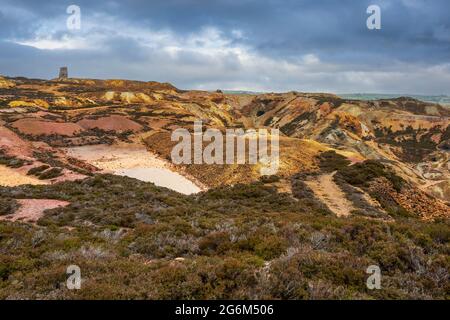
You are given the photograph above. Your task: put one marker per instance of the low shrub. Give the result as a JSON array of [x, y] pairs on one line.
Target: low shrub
[[330, 161], [50, 173], [360, 174], [11, 161], [269, 179], [38, 170], [8, 206], [239, 242]]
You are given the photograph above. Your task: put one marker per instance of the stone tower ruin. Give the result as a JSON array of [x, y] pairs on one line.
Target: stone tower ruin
[[63, 73]]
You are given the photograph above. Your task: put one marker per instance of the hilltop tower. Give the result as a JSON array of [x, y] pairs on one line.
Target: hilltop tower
[[63, 73]]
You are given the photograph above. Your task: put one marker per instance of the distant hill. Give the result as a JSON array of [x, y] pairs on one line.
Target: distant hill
[[441, 99]]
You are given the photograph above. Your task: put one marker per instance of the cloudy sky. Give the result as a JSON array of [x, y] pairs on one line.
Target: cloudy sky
[[259, 45]]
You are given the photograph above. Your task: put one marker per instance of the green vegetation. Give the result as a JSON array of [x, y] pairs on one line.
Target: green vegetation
[[290, 128], [133, 240], [359, 201], [8, 206], [50, 173], [306, 198], [38, 170], [361, 174], [335, 102], [330, 161], [242, 241], [269, 179], [415, 144], [11, 161]]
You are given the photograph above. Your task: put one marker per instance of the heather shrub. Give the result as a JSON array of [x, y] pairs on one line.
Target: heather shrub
[[8, 206], [38, 170], [11, 161], [360, 174], [269, 179], [134, 240], [330, 161], [50, 173]]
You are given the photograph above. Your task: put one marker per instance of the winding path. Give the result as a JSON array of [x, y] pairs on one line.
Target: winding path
[[330, 194]]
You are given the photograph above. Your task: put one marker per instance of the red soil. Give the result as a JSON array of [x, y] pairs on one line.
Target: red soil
[[111, 123], [40, 127], [32, 210], [13, 144]]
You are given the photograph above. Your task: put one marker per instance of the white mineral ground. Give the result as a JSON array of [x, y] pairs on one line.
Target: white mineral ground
[[135, 161]]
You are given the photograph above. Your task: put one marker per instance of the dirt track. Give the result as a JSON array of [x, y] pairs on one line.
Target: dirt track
[[32, 210], [330, 194]]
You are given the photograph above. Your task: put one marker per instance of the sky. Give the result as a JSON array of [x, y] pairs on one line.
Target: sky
[[255, 45]]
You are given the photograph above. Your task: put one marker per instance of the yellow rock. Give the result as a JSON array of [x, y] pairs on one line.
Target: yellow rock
[[61, 101], [128, 97], [157, 96], [5, 83], [115, 82], [109, 95], [143, 97], [131, 97], [20, 103], [41, 103]]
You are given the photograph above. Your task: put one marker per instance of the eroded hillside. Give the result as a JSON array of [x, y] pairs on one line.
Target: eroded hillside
[[41, 119], [358, 183]]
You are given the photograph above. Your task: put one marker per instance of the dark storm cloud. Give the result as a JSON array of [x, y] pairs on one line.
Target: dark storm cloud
[[414, 42]]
